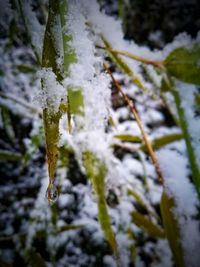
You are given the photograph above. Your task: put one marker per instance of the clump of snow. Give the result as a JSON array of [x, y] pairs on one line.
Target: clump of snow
[[52, 92], [86, 74]]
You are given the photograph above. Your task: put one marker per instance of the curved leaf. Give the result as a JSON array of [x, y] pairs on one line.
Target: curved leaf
[[147, 225], [184, 64], [129, 138], [69, 227], [163, 141]]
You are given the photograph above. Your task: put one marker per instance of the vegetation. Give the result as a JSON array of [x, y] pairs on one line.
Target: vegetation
[[77, 60]]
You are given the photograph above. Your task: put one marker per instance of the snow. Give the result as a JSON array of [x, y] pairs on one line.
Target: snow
[[52, 92], [187, 94], [109, 261], [162, 249], [85, 73], [6, 14]]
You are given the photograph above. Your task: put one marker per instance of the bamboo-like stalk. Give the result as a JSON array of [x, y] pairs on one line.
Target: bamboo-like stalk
[[144, 135]]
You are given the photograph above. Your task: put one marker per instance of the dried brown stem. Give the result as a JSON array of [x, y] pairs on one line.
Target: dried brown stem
[[135, 114]]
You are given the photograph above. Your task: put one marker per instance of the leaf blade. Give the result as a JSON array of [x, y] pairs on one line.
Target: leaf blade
[[148, 226], [184, 64], [171, 229]]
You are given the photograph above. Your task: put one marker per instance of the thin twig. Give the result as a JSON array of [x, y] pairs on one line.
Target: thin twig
[[135, 114], [132, 56]]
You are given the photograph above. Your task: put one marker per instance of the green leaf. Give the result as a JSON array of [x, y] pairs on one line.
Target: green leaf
[[111, 121], [184, 64], [121, 9], [51, 127], [133, 253], [76, 101], [50, 56], [26, 69], [69, 53], [163, 141], [8, 155], [96, 171], [147, 225], [69, 227], [172, 229], [7, 123], [129, 138], [165, 85]]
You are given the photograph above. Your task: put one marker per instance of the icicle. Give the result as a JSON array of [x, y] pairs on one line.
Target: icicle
[[52, 192]]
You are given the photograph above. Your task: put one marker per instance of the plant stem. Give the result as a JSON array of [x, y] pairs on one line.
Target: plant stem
[[135, 114], [132, 56]]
